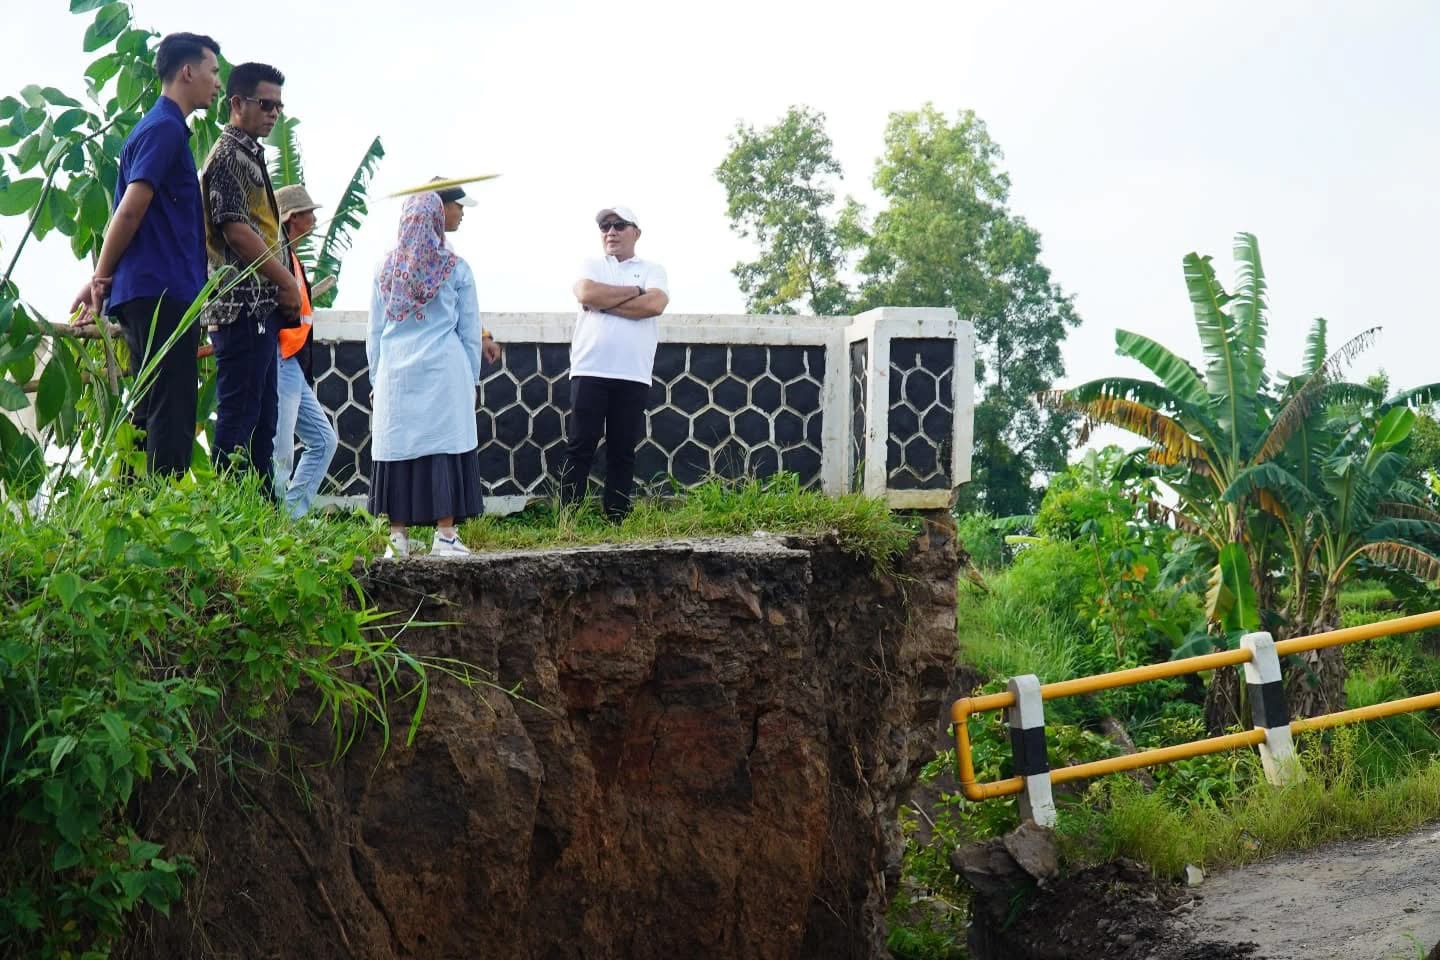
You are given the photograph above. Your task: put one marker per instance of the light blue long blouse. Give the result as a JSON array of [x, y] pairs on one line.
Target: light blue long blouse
[[424, 373]]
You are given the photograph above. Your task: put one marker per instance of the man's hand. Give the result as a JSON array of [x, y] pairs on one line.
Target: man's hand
[[594, 295], [490, 349], [650, 304], [287, 297], [90, 301]]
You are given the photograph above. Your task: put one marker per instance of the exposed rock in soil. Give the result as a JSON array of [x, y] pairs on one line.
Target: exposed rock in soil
[[1010, 864], [713, 743]]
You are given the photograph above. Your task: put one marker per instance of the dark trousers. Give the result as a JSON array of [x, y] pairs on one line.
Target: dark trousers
[[166, 411], [614, 409], [247, 400]]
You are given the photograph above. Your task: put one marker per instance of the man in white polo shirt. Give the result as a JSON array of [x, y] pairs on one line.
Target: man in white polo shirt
[[612, 354]]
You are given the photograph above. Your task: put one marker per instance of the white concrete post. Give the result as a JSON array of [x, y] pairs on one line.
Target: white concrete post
[[835, 401], [964, 401], [1267, 708], [1027, 743]]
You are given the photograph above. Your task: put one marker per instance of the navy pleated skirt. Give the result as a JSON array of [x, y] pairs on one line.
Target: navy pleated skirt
[[423, 490]]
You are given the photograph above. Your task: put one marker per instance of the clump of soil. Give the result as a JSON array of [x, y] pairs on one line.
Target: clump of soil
[[1115, 911]]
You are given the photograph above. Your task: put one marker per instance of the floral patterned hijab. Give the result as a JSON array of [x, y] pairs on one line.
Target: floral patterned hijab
[[414, 271]]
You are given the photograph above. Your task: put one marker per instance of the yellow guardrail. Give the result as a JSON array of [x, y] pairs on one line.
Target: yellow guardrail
[[966, 707]]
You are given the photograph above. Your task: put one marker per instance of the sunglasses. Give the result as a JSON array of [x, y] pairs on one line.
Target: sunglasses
[[617, 225], [267, 105]]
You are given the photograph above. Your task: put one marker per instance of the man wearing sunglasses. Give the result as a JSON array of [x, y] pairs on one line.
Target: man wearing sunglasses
[[612, 355], [242, 231]]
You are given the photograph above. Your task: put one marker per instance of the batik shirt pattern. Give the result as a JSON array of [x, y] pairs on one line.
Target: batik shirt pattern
[[236, 188]]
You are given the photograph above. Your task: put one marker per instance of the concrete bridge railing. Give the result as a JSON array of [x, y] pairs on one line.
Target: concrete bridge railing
[[881, 402]]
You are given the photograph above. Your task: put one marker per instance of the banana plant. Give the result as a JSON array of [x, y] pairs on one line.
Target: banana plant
[[1364, 515], [287, 167], [1204, 429], [1250, 455], [350, 211]]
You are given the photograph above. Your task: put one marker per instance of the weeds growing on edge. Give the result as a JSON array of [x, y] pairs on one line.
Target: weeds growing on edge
[[778, 504], [147, 628]]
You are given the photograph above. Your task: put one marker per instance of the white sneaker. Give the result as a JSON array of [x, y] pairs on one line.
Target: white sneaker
[[399, 547], [448, 547]]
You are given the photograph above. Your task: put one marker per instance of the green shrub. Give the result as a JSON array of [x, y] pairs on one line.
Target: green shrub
[[1334, 801], [1005, 633], [979, 537], [1053, 576], [151, 628]]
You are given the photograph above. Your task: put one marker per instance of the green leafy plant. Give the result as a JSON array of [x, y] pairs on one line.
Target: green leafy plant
[[287, 167], [1287, 486], [777, 504], [148, 628]]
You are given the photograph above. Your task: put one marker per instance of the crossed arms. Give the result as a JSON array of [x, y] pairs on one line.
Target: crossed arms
[[632, 303]]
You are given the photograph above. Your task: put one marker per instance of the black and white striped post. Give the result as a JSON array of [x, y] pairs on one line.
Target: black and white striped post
[[1027, 745], [1268, 710]]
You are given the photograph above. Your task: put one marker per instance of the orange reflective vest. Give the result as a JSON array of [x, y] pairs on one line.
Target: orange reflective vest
[[292, 339]]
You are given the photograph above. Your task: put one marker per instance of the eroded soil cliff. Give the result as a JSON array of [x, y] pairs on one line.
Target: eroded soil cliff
[[704, 759]]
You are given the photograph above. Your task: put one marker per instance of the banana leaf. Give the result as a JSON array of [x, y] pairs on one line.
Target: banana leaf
[[349, 213]]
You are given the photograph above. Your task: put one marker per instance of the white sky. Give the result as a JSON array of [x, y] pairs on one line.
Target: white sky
[[1133, 131]]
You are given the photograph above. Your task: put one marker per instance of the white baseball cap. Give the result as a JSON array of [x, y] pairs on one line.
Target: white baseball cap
[[456, 195], [624, 213]]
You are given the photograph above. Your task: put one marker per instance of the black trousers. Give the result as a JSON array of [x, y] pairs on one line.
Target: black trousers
[[247, 398], [166, 411], [614, 409]]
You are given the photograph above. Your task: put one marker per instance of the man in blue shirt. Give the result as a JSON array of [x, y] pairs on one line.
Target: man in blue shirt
[[152, 262]]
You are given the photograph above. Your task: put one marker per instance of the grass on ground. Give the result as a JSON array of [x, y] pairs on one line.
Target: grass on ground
[[1334, 802], [1371, 779], [779, 504]]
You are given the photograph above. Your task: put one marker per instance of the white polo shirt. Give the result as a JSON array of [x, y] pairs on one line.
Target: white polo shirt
[[606, 345]]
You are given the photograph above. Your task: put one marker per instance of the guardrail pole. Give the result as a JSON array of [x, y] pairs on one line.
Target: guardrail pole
[[1266, 692], [1027, 743], [1024, 706]]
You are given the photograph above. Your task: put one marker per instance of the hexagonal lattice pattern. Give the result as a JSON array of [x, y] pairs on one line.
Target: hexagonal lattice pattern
[[922, 414], [713, 409], [520, 411], [342, 383], [859, 389], [731, 411]]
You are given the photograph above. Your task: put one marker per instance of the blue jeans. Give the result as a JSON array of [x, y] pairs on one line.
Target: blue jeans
[[300, 413]]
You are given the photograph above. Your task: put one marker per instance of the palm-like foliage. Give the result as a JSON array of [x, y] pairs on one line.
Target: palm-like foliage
[[1292, 483], [1212, 428], [349, 213], [286, 167], [1365, 515]]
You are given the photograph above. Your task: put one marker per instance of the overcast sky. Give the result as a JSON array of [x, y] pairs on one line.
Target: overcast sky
[[1133, 132]]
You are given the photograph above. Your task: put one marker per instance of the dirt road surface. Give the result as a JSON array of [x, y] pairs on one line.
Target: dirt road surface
[[1360, 900]]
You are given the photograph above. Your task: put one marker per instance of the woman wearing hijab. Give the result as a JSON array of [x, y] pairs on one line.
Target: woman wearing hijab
[[425, 347]]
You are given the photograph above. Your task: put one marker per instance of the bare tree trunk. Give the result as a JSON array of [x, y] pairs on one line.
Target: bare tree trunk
[[1315, 680], [1224, 701], [1116, 733]]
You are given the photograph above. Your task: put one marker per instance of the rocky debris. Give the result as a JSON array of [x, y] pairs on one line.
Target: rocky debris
[[1006, 865], [705, 759]]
